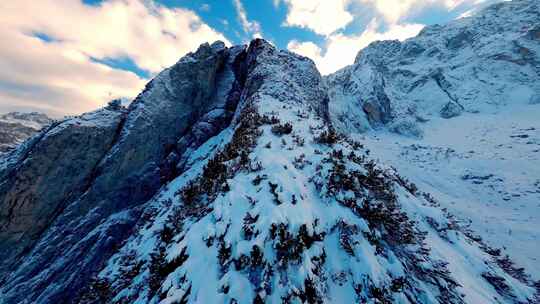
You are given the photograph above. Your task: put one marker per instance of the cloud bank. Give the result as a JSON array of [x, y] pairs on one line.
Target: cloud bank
[[48, 47], [321, 16], [330, 18], [342, 49]]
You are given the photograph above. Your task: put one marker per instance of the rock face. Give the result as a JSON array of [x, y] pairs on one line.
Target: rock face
[[15, 127], [474, 64], [225, 181], [60, 187], [66, 153]]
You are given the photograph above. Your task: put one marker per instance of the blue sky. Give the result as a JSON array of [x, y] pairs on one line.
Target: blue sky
[[73, 56]]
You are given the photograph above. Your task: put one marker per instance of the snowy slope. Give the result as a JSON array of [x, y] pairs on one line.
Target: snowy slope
[[485, 168], [278, 208], [464, 98], [482, 63]]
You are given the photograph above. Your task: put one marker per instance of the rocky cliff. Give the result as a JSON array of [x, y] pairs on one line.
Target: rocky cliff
[[225, 181]]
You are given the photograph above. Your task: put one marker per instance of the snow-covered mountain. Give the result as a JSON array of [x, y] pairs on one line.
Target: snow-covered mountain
[[479, 64], [232, 178], [467, 94], [16, 127]]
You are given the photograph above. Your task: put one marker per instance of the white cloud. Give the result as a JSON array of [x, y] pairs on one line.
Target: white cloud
[[329, 17], [250, 27], [341, 49], [205, 7], [321, 16], [326, 17], [59, 77], [394, 11]]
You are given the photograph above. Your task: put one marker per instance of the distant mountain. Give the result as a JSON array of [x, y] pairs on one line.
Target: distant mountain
[[240, 175], [15, 127], [478, 64]]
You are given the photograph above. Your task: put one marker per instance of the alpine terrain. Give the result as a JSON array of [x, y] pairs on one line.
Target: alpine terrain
[[240, 175], [15, 127]]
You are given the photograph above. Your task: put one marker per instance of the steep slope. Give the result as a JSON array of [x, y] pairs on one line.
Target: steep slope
[[476, 64], [466, 94], [16, 127], [278, 208]]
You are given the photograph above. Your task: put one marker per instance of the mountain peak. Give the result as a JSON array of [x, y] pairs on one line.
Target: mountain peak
[[232, 178]]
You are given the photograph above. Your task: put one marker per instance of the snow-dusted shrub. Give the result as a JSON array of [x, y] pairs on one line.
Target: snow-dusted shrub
[[160, 268], [282, 129], [405, 183], [328, 137], [257, 180], [273, 190], [234, 157], [166, 234], [269, 120], [451, 109], [289, 247], [248, 226], [98, 291], [298, 140]]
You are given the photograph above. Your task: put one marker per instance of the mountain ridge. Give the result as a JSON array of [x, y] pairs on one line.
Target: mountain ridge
[[229, 162], [474, 64]]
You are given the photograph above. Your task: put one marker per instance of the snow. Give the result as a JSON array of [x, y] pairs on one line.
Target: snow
[[200, 277], [32, 120], [485, 168]]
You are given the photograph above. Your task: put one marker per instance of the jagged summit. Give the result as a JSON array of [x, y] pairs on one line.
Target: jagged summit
[[225, 181]]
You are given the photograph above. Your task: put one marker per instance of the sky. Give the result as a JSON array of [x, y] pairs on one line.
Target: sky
[[65, 57]]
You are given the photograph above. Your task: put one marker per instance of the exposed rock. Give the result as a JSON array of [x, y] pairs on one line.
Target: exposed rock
[[460, 39], [52, 171], [535, 99], [80, 184], [451, 109], [86, 169]]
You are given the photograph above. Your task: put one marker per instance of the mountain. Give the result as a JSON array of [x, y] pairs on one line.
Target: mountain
[[230, 179], [479, 64], [465, 96], [15, 127]]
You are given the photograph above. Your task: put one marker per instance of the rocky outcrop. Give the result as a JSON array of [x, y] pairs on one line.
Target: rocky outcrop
[[277, 207], [475, 64], [41, 179]]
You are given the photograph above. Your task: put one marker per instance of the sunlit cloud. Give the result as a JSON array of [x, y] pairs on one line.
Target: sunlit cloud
[[389, 19], [342, 49], [321, 16], [252, 28], [394, 11], [48, 45]]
